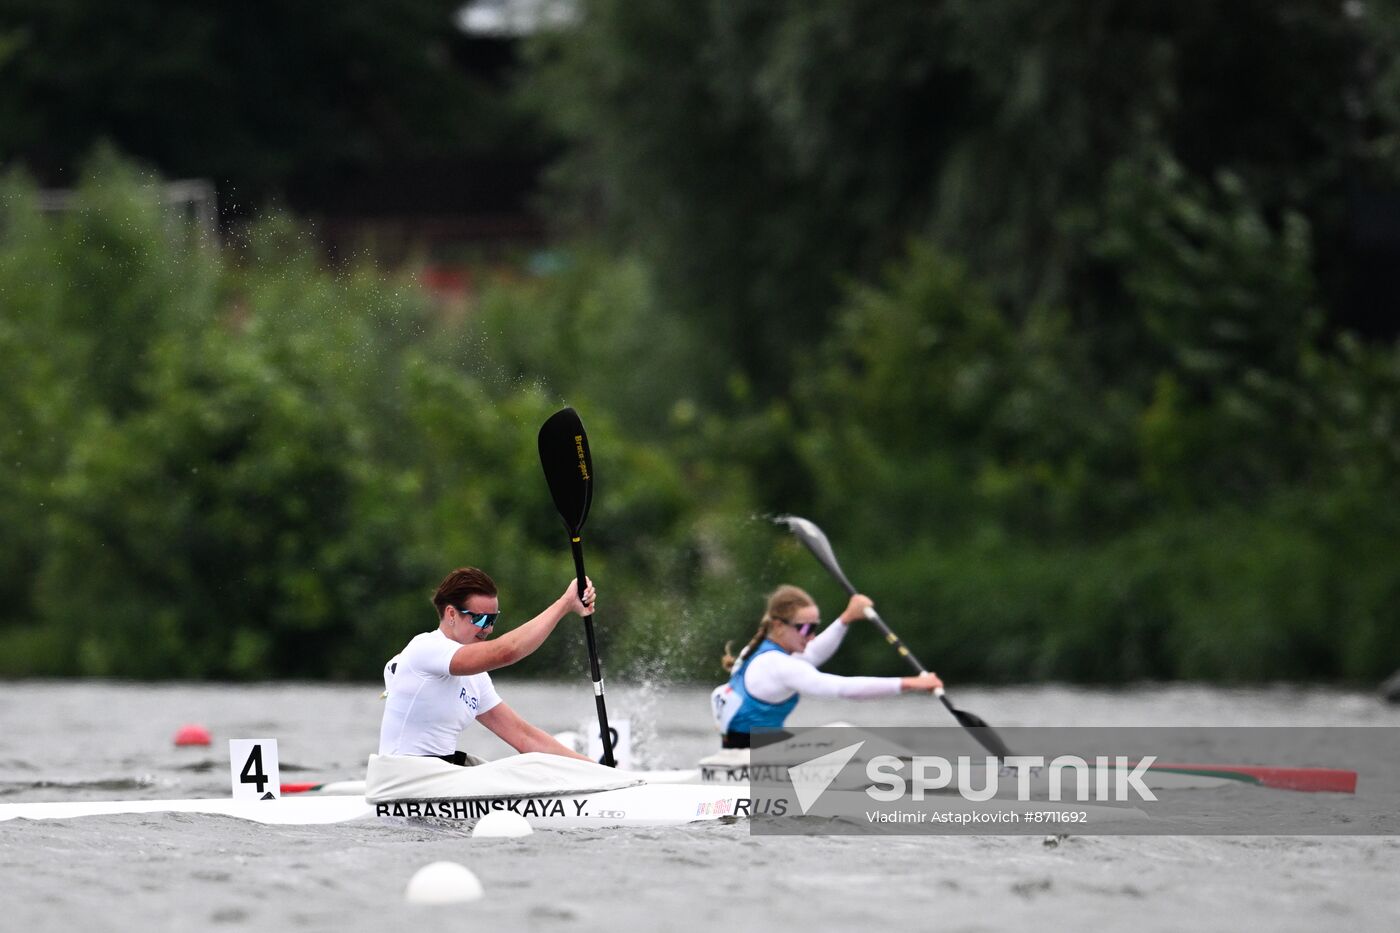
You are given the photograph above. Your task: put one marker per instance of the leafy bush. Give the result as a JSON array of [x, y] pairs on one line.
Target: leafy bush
[[249, 467], [238, 464]]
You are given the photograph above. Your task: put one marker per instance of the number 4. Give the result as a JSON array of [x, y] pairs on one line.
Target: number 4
[[252, 772], [257, 776]]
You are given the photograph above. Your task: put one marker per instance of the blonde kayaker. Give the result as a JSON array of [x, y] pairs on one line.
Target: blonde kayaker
[[779, 665]]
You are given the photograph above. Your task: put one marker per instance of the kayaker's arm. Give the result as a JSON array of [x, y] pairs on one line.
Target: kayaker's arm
[[522, 641], [512, 729], [856, 608], [821, 648], [774, 676]]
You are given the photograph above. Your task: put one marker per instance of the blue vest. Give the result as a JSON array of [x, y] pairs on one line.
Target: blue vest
[[753, 713]]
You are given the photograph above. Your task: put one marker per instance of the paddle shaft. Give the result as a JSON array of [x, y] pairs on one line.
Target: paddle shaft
[[568, 469], [595, 667], [815, 540], [904, 652], [894, 640]]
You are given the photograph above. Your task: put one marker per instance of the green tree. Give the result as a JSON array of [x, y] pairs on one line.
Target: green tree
[[262, 98], [759, 154], [753, 151], [287, 458]]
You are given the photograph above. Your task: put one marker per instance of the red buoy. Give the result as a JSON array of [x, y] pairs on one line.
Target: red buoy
[[192, 734]]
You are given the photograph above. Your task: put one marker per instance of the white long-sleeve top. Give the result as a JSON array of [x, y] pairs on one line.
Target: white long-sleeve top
[[776, 675]]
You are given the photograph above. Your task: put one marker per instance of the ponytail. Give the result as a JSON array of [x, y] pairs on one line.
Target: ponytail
[[782, 602], [729, 660]]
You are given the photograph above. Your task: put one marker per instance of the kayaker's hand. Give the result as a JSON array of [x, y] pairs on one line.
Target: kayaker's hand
[[584, 606], [855, 609], [926, 682]]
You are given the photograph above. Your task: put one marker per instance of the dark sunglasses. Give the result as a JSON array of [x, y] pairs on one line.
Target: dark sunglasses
[[805, 629], [479, 619]]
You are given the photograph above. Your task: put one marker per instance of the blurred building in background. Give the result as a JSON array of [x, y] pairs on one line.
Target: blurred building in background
[[452, 215]]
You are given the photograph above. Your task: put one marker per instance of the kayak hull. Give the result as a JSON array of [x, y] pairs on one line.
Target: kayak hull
[[641, 805], [637, 806]]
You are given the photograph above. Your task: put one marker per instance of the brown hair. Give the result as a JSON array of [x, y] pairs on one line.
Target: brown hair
[[460, 585], [782, 603]]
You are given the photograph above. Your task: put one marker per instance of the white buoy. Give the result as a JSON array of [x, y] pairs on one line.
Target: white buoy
[[502, 824], [442, 883]]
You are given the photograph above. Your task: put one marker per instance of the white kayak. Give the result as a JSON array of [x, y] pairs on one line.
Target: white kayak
[[733, 765], [728, 768], [640, 805], [548, 790]]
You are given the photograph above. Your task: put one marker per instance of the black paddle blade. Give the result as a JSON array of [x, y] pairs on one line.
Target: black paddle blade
[[810, 535], [983, 733], [568, 467]]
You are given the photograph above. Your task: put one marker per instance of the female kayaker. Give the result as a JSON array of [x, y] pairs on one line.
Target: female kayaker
[[438, 683], [780, 663]]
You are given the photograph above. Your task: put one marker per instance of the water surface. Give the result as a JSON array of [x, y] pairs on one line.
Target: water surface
[[103, 740]]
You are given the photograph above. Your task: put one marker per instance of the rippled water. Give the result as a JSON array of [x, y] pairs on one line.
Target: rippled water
[[93, 740]]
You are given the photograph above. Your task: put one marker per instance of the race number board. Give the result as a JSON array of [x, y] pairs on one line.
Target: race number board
[[621, 741], [252, 765]]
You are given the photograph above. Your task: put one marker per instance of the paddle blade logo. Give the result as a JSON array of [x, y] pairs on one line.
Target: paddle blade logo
[[582, 457], [811, 778]]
